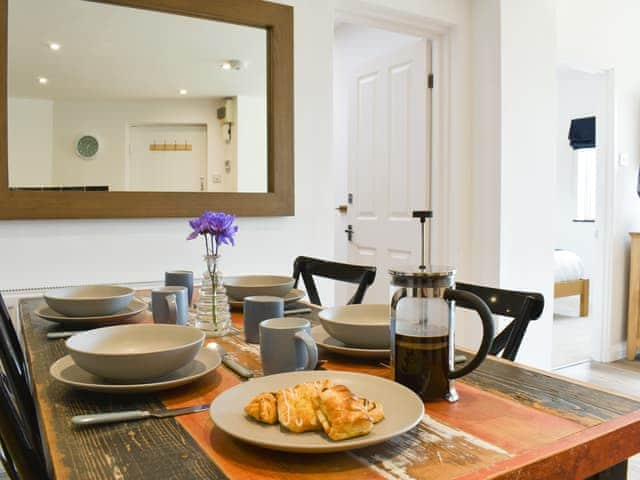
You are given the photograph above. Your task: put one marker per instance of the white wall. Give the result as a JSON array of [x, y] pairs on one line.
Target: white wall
[[528, 161], [513, 178], [30, 136], [487, 104], [109, 121], [582, 26], [251, 143]]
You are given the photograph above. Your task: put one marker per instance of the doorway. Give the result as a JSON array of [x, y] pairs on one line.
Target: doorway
[[382, 145], [581, 322], [154, 167]]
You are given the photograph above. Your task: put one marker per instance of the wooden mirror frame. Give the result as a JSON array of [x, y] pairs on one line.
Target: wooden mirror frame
[[278, 201]]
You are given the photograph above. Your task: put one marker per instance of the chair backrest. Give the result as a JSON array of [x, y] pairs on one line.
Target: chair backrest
[[522, 307], [9, 339], [22, 458], [20, 411], [307, 267]]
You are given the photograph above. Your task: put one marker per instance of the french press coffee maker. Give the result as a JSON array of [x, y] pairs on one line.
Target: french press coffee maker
[[423, 328]]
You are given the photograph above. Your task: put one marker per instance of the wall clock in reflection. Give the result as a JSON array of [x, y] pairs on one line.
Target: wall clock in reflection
[[87, 146]]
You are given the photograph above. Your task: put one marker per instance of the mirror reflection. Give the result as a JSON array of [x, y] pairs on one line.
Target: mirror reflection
[[104, 97]]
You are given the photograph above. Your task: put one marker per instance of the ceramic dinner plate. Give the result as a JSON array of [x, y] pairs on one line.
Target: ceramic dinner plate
[[135, 307], [67, 372], [403, 410], [327, 342], [294, 295]]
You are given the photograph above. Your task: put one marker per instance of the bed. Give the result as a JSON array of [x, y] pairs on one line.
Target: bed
[[569, 277]]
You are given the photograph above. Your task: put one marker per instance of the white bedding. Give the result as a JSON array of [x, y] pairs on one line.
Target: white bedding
[[568, 266]]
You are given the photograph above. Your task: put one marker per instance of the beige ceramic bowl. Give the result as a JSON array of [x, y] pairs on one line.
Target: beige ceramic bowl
[[127, 353], [89, 301], [242, 286], [364, 326]]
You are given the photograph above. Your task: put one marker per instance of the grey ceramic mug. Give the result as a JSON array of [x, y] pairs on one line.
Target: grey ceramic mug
[[286, 345], [257, 309], [170, 305], [180, 278]]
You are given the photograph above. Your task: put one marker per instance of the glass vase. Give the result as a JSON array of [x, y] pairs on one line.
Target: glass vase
[[212, 313]]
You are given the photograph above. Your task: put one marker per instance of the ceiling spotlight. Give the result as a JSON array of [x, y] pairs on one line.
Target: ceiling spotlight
[[183, 91], [43, 80], [231, 65], [54, 46]]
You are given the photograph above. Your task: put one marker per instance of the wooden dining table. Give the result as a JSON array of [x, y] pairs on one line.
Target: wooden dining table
[[511, 422]]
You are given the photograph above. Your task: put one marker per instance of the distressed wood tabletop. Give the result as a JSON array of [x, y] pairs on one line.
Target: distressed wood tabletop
[[511, 422]]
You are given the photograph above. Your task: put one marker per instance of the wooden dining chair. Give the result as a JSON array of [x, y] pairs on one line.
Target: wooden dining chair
[[521, 307], [308, 267], [21, 412], [22, 458]]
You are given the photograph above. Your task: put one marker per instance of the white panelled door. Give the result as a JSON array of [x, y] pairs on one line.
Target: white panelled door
[[389, 163], [170, 171]]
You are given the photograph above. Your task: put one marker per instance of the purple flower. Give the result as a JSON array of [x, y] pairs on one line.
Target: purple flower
[[218, 225]]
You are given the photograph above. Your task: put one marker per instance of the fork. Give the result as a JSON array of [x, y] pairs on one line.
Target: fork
[[230, 362]]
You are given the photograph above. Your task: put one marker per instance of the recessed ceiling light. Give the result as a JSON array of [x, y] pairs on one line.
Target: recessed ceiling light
[[231, 65], [43, 80], [54, 46], [183, 91]]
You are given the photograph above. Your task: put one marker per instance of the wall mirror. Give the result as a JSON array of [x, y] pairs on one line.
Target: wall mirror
[[135, 108]]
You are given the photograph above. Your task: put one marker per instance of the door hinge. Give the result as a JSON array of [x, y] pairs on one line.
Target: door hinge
[[350, 199], [430, 81]]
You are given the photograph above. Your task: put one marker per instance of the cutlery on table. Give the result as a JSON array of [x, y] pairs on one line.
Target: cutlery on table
[[231, 363], [297, 311], [114, 417], [67, 334]]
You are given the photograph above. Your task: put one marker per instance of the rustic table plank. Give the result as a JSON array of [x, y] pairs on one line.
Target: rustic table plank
[[548, 392]]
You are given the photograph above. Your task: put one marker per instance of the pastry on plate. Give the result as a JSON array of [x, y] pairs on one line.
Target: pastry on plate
[[298, 406], [315, 406], [342, 414], [373, 408], [263, 408]]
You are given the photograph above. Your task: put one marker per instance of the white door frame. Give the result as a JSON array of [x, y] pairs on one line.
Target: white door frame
[[442, 234], [601, 348], [604, 350]]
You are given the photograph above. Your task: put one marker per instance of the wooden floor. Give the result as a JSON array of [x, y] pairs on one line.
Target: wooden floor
[[571, 333], [622, 376]]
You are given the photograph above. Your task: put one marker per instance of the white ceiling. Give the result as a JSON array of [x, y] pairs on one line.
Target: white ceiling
[[359, 44], [111, 52]]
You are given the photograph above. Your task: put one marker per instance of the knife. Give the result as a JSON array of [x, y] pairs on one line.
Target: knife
[[113, 417], [230, 362], [297, 311], [56, 335]]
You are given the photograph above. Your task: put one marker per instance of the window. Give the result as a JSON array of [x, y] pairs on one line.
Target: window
[[586, 184]]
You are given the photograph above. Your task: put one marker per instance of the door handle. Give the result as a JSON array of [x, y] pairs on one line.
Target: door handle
[[342, 208], [349, 231]]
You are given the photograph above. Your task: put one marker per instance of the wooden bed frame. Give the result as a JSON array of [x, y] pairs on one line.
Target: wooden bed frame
[[575, 287]]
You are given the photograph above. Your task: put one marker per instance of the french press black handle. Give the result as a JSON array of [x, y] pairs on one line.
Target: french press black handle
[[477, 304]]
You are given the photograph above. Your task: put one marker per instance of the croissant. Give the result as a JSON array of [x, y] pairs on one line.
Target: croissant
[[342, 414], [263, 408], [373, 408], [298, 406]]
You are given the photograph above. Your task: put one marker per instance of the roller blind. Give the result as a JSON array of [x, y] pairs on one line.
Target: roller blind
[[582, 133]]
